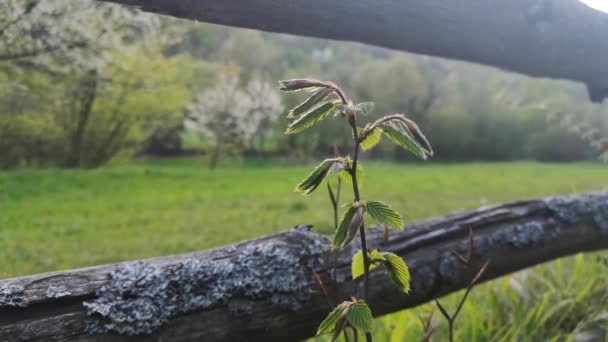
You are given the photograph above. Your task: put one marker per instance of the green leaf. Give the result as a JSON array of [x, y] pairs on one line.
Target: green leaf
[[364, 108], [342, 230], [398, 270], [310, 102], [317, 176], [310, 118], [384, 214], [329, 323], [371, 139], [360, 316], [357, 265], [402, 138]]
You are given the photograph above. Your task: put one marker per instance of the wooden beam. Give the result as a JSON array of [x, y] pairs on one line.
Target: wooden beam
[[264, 289], [562, 39]]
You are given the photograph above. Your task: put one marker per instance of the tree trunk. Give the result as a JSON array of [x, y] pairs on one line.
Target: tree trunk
[[544, 38], [263, 289], [215, 155], [88, 91]]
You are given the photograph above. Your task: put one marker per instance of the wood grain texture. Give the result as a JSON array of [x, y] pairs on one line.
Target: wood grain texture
[[263, 289], [544, 38]]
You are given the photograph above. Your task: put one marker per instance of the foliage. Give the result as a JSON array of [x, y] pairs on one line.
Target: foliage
[[401, 130], [355, 314], [79, 34], [76, 83], [88, 118], [471, 112]]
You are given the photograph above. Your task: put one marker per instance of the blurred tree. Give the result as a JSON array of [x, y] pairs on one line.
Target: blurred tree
[[74, 33], [54, 53], [230, 116], [116, 110], [88, 118], [81, 70]]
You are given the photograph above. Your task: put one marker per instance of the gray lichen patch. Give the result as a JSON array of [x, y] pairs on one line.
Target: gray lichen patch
[[141, 297], [55, 291], [12, 295], [573, 209], [523, 235], [527, 234], [450, 268]]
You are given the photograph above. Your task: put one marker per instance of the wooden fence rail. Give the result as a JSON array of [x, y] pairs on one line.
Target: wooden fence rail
[[543, 38]]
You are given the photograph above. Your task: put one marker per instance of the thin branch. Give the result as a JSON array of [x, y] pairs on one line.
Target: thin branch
[[482, 270]]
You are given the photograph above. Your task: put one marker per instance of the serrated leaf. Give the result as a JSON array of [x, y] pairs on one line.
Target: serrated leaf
[[398, 270], [310, 102], [371, 139], [329, 323], [310, 118], [342, 230], [357, 265], [364, 108], [360, 316], [310, 183], [404, 139], [383, 213]]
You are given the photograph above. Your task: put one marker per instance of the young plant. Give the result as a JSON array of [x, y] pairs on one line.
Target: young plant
[[328, 99]]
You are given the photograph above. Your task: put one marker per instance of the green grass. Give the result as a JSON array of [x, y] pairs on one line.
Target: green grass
[[60, 219]]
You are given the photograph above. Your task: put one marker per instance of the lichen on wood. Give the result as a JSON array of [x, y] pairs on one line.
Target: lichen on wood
[[141, 297]]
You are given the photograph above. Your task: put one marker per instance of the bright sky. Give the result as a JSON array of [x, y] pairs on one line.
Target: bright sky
[[601, 5]]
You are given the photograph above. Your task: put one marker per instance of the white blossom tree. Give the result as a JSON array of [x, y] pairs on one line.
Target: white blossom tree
[[70, 33], [230, 115]]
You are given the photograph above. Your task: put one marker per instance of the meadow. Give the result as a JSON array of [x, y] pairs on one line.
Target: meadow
[[58, 219]]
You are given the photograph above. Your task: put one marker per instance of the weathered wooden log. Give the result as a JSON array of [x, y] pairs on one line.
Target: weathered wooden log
[[263, 289], [546, 38]]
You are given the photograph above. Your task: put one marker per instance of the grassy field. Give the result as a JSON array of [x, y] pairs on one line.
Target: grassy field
[[58, 219]]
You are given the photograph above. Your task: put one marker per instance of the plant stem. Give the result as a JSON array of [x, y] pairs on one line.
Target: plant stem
[[352, 120], [451, 327]]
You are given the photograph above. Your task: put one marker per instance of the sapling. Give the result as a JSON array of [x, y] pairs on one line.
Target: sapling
[[328, 99]]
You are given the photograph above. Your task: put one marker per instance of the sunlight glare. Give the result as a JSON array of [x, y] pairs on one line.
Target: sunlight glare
[[600, 5]]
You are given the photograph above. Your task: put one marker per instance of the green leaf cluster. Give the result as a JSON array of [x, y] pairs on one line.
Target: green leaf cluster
[[397, 128], [313, 109], [355, 314], [310, 118], [396, 267], [341, 166], [309, 103], [353, 219], [312, 181], [400, 130]]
